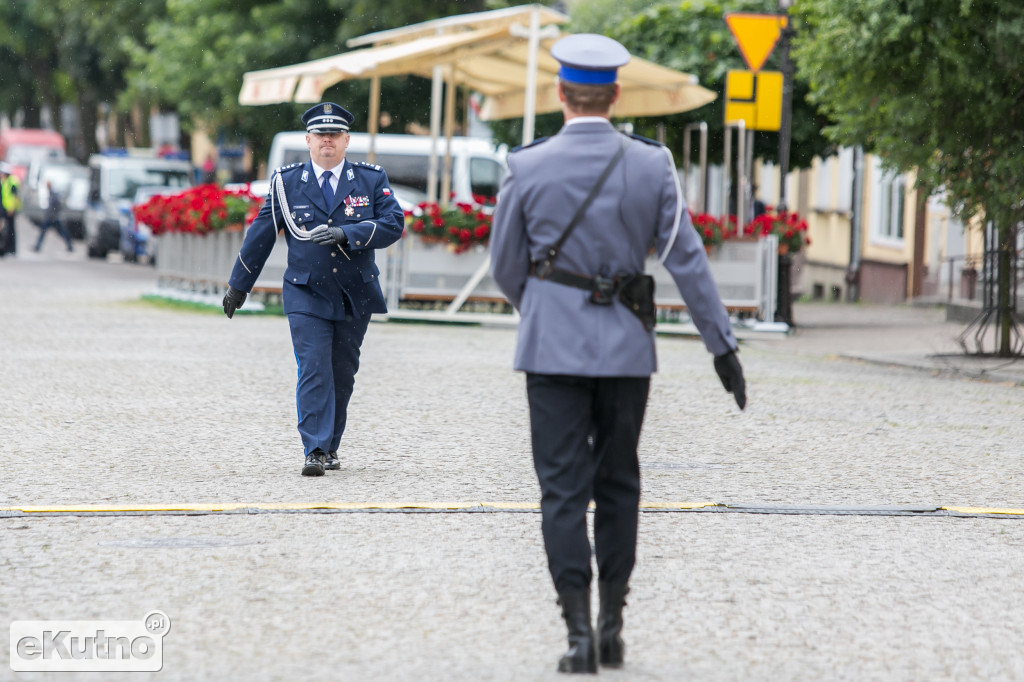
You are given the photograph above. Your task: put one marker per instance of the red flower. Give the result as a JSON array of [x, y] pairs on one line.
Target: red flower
[[787, 226], [199, 209], [460, 226]]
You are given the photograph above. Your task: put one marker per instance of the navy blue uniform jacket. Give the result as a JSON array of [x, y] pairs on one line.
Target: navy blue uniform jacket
[[318, 278]]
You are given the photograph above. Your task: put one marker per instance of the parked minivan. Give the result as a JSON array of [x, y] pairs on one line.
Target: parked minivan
[[477, 165], [113, 181]]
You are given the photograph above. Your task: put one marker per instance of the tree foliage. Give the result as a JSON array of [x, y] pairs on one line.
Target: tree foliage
[[69, 52], [188, 56], [197, 55], [931, 85]]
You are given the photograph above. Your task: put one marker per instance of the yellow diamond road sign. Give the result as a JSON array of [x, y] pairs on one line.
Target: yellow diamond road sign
[[754, 98], [756, 34]]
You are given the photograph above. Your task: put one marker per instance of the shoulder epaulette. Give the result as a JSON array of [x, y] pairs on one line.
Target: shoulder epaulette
[[289, 166], [646, 140], [366, 164], [532, 144]]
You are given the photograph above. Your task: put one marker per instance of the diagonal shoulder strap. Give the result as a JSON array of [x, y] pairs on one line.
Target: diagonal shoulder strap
[[557, 247]]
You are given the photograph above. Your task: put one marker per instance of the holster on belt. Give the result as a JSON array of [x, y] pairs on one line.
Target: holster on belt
[[636, 292]]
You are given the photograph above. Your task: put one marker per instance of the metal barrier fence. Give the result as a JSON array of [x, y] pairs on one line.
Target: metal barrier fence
[[412, 270]]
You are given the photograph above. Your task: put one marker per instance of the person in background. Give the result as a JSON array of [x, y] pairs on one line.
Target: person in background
[[209, 170], [10, 202], [51, 218], [586, 337], [335, 214]]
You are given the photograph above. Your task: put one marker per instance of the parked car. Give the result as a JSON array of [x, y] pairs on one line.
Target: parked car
[[113, 181], [137, 243], [71, 180]]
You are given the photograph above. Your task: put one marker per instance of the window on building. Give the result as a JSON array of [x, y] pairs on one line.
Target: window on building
[[823, 180], [845, 202], [888, 204]]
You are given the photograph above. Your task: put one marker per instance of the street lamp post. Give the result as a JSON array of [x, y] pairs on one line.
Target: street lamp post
[[786, 121]]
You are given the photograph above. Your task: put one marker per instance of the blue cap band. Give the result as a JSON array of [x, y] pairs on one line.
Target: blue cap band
[[587, 76]]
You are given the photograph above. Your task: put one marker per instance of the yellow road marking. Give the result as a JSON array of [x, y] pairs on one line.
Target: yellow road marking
[[985, 510]]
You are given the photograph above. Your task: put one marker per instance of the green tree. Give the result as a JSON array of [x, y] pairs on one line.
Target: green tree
[[933, 86], [69, 52], [96, 39], [196, 56], [28, 47]]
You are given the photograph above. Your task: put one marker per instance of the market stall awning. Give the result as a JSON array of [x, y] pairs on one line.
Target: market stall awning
[[509, 16], [306, 82], [647, 88], [487, 52]]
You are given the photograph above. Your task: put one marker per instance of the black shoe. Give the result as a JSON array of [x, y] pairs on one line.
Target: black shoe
[[612, 597], [314, 465], [582, 654], [332, 463]]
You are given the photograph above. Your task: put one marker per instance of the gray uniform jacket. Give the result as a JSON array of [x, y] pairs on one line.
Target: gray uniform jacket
[[640, 206]]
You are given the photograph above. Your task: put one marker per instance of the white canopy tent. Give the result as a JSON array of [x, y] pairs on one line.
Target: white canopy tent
[[502, 54], [490, 53]]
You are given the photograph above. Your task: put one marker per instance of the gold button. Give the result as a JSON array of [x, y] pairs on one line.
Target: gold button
[[335, 269], [359, 243], [329, 221], [295, 279], [333, 254]]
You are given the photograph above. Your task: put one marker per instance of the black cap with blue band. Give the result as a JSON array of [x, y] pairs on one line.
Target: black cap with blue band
[[589, 59]]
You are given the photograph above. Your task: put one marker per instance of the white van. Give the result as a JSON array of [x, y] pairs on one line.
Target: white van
[[477, 166], [113, 181]]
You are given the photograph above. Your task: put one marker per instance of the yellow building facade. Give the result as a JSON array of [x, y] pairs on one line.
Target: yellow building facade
[[874, 236]]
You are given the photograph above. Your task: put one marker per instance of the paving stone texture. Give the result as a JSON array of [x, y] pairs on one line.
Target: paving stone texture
[[105, 399]]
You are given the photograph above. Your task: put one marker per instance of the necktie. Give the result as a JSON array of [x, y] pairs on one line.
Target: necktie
[[327, 190]]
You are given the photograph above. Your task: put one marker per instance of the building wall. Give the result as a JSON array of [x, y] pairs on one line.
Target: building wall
[[823, 195]]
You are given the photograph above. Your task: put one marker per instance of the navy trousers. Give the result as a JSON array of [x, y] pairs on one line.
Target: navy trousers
[[585, 432], [55, 223], [327, 355]]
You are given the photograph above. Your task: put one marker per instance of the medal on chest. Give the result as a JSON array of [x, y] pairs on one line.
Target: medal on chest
[[353, 202]]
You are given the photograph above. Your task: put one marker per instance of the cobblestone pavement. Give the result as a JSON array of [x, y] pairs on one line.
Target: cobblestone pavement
[[108, 400]]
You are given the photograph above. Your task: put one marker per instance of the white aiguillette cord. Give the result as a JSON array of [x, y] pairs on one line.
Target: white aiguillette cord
[[277, 188]]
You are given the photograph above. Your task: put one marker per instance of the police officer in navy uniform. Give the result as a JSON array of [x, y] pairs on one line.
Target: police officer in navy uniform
[[587, 352], [335, 214]]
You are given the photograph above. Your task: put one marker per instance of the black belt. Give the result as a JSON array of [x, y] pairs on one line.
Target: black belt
[[635, 291], [602, 289]]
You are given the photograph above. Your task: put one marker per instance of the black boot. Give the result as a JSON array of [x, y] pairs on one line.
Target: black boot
[[582, 654], [612, 597]]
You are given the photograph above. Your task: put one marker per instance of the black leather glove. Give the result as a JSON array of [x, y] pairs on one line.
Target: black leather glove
[[233, 300], [327, 235], [731, 374]]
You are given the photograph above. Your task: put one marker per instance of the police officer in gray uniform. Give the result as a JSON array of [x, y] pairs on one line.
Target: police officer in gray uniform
[[334, 214], [586, 339]]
